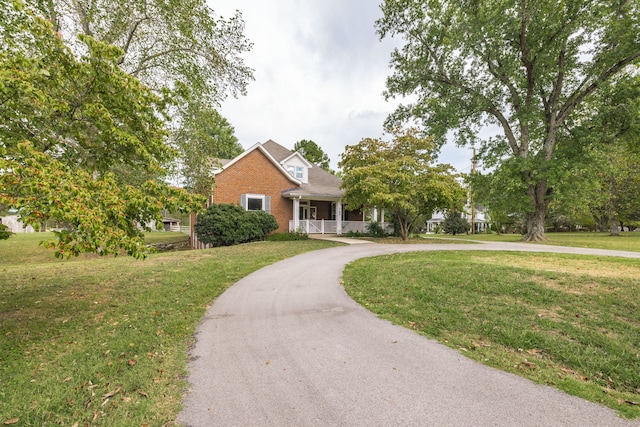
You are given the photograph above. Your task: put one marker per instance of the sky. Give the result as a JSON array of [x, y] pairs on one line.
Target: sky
[[320, 72]]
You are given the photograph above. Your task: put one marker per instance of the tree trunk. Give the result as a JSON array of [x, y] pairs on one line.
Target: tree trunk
[[404, 226], [539, 194]]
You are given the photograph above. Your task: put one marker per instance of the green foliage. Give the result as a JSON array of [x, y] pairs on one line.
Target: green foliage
[[312, 152], [228, 224], [80, 142], [398, 176], [183, 46], [454, 223], [4, 232], [520, 67], [203, 137], [374, 229]]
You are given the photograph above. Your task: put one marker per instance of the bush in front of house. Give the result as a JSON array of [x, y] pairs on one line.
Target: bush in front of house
[[227, 224]]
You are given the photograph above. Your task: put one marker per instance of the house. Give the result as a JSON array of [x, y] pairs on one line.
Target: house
[[478, 216], [300, 195], [14, 225]]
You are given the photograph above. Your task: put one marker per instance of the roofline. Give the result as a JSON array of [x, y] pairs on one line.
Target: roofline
[[297, 154], [268, 155]]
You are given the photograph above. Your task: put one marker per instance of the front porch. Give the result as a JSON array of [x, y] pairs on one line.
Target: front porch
[[325, 226]]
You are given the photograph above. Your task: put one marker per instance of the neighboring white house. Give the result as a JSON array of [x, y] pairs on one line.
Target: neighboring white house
[[15, 225], [480, 219]]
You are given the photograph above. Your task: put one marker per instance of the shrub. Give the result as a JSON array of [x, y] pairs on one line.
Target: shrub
[[374, 229], [226, 225], [453, 223]]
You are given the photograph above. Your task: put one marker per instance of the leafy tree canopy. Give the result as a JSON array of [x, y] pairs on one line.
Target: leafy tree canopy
[[181, 49], [203, 137], [524, 67], [181, 45], [399, 176], [312, 152], [79, 140]]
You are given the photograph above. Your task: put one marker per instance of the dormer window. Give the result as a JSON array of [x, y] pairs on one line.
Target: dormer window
[[297, 166], [296, 171]]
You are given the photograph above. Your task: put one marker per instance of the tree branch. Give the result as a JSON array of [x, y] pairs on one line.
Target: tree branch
[[132, 32], [84, 20], [578, 96]]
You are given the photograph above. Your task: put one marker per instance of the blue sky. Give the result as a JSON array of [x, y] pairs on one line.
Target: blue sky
[[320, 71]]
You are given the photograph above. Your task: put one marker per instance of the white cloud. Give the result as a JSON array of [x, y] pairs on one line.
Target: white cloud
[[320, 70]]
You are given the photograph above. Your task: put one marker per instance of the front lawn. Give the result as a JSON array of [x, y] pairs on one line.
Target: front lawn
[[572, 322], [626, 241], [104, 341]]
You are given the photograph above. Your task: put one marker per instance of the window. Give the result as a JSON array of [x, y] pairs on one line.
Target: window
[[296, 171], [255, 202]]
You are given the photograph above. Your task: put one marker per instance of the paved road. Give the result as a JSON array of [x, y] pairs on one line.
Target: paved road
[[286, 346]]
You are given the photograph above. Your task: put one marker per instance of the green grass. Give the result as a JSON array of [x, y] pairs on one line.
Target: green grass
[[104, 341], [627, 241], [572, 322]]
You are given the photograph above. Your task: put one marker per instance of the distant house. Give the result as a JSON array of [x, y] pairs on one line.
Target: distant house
[[481, 220], [14, 224], [300, 195]]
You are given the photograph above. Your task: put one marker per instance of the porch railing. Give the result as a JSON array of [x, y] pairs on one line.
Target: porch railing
[[325, 226]]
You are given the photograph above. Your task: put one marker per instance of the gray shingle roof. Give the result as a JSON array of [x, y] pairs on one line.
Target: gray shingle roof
[[321, 183]]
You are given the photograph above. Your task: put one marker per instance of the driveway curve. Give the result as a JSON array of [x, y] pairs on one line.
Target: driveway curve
[[286, 346]]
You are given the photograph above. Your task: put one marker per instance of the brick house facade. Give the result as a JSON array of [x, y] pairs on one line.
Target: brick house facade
[[300, 195]]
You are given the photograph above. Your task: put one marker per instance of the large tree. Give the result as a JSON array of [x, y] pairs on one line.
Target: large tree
[[80, 140], [202, 138], [175, 44], [522, 66], [176, 47], [400, 177], [599, 156]]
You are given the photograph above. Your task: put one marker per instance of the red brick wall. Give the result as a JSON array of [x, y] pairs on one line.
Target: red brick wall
[[255, 174]]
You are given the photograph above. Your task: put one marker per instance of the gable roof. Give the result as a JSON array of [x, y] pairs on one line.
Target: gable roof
[[267, 154], [321, 184]]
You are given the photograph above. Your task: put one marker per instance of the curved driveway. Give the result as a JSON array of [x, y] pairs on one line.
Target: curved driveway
[[286, 346]]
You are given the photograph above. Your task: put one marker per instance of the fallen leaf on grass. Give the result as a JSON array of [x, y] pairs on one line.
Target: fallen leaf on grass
[[11, 421], [143, 393], [529, 365], [112, 393], [628, 402]]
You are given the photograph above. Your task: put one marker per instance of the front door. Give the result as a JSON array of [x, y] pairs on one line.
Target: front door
[[304, 210]]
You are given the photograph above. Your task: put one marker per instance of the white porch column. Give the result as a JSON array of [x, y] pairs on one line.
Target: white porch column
[[374, 214], [382, 215], [296, 214], [339, 217]]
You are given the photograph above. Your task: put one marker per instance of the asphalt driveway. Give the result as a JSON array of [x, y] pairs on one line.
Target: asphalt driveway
[[286, 346]]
